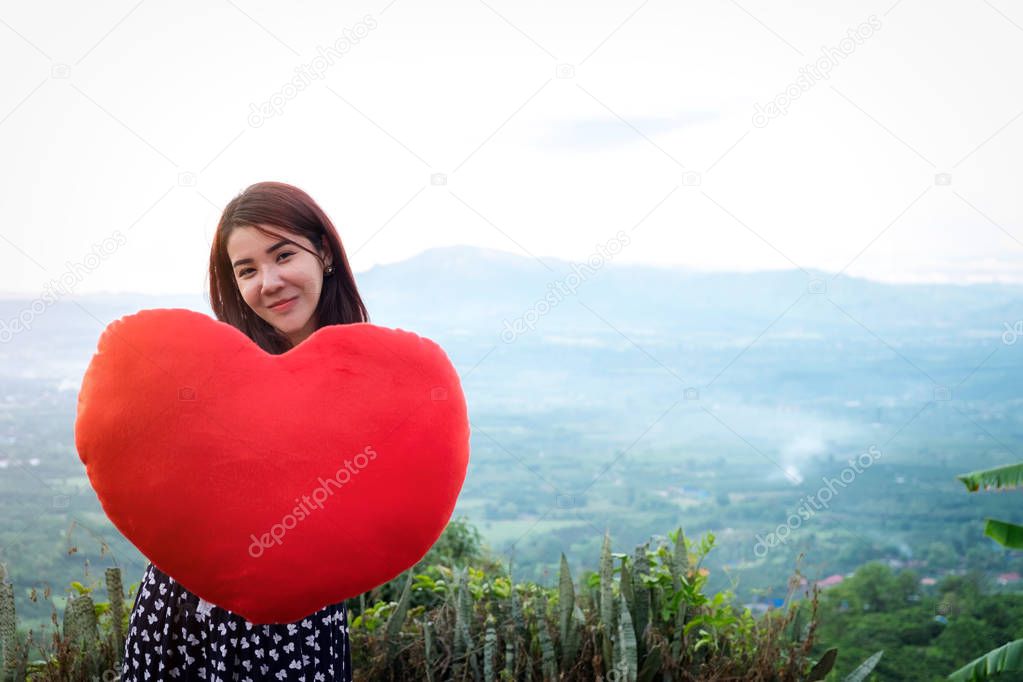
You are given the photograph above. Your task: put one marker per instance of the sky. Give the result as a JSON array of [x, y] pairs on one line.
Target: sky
[[877, 139]]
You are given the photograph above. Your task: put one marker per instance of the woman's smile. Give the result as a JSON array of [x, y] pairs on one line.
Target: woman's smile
[[284, 306]]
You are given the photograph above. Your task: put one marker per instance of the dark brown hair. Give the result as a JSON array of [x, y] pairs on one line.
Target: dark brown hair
[[286, 207]]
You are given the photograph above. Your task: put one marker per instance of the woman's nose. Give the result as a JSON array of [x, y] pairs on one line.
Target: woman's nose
[[271, 280]]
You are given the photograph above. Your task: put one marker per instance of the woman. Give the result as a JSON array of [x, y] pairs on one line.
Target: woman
[[278, 273]]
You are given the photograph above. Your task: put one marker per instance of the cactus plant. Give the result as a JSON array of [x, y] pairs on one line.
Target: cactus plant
[[615, 628], [679, 567], [463, 644], [509, 654], [489, 647], [548, 659], [8, 639], [626, 659], [606, 600], [396, 620], [641, 597], [80, 624], [115, 594], [427, 649], [567, 630]]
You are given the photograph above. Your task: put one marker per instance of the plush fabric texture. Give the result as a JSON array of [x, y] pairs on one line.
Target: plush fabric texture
[[272, 485]]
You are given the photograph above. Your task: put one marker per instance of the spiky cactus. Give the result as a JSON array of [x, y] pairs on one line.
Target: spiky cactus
[[641, 597], [603, 627], [626, 658], [80, 624], [489, 649], [8, 638], [115, 593], [518, 632], [459, 643], [396, 620], [81, 629], [428, 648], [606, 603], [509, 654], [464, 650], [547, 657], [567, 630], [679, 568]]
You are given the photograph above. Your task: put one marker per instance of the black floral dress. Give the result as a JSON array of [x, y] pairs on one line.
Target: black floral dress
[[174, 635]]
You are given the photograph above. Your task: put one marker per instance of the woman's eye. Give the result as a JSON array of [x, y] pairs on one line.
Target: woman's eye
[[282, 254]]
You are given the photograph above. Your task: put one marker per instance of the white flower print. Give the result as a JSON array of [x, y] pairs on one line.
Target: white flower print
[[165, 613]]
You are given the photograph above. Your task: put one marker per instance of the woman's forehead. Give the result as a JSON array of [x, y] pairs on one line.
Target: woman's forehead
[[246, 238]]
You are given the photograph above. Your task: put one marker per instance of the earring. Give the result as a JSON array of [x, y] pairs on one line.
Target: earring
[[328, 271]]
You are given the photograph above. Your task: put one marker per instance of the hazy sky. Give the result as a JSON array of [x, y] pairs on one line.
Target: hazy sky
[[126, 126]]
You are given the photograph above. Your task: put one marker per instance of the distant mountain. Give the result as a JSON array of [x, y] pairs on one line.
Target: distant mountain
[[469, 291], [478, 289]]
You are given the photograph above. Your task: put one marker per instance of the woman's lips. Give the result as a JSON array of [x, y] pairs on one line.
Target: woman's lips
[[286, 305]]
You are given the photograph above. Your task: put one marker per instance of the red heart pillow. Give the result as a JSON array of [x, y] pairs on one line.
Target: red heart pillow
[[272, 485]]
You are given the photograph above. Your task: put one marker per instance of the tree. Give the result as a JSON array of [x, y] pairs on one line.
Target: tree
[[940, 555]]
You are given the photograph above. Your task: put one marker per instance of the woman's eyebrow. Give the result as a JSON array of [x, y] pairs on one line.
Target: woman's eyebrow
[[276, 246]]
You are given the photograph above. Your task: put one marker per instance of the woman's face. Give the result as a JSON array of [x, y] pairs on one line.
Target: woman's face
[[270, 270]]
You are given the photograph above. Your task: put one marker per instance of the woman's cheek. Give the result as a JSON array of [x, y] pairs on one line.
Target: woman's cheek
[[247, 296]]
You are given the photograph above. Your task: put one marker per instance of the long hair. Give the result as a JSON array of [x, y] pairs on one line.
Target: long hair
[[286, 207]]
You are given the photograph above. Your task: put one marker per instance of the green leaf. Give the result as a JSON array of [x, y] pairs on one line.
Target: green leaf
[[824, 666], [651, 666], [864, 669], [1008, 476], [397, 618], [1004, 533], [1006, 658]]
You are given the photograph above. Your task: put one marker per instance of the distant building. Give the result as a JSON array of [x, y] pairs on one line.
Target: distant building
[[1006, 578], [928, 581], [830, 580]]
